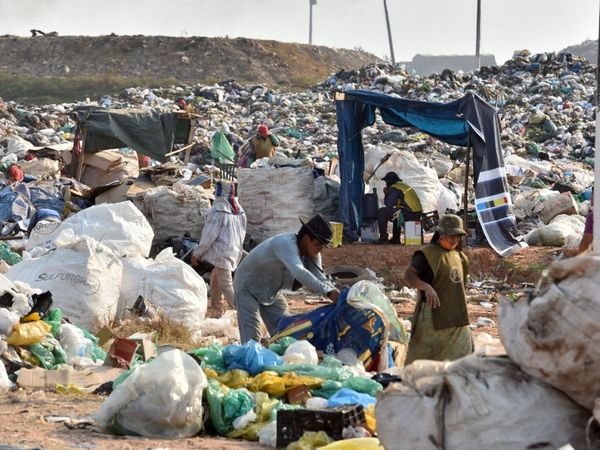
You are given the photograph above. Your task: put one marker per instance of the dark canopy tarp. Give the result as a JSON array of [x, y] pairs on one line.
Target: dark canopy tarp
[[469, 119], [150, 132]]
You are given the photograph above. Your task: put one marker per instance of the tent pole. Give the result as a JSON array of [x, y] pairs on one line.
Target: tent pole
[[466, 197]]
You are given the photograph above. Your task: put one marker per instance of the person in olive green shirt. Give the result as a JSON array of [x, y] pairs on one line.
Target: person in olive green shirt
[[440, 323]]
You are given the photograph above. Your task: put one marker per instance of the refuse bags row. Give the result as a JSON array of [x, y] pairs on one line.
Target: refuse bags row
[[83, 265], [476, 402]]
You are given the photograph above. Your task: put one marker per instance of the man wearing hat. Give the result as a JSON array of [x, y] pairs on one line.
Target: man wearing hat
[[399, 198], [261, 145], [281, 262], [440, 323]]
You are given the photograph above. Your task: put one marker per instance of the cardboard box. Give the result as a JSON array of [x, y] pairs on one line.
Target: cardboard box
[[413, 233], [122, 351], [93, 377], [298, 395]]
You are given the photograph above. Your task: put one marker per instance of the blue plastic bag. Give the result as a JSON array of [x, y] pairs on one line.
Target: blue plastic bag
[[251, 357], [347, 396]]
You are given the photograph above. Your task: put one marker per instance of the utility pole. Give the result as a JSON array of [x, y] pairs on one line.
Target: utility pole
[[311, 3], [596, 193], [478, 37], [389, 30]]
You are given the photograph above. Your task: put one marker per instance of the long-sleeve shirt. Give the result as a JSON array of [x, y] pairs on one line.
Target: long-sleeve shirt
[[274, 265], [222, 239]]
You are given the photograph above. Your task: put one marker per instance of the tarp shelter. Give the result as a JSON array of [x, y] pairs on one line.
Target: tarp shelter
[[469, 121], [151, 132]]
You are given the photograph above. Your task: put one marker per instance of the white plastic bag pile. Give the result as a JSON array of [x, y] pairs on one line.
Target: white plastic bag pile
[[475, 402], [119, 226], [556, 336], [160, 399], [168, 283], [274, 198], [424, 180], [94, 264]]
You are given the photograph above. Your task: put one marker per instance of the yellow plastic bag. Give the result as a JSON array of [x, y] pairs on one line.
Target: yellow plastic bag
[[292, 380], [273, 384], [235, 378], [370, 418], [249, 433], [355, 444], [268, 382], [28, 333], [310, 440]]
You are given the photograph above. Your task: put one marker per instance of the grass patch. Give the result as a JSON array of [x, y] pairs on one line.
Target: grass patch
[[46, 90], [168, 331]]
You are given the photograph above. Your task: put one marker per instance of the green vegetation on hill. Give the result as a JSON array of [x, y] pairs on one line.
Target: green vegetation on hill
[[46, 90]]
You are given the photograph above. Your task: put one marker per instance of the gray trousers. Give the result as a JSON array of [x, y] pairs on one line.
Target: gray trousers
[[250, 311]]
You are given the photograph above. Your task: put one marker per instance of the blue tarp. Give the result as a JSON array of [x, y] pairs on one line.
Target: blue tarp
[[468, 120], [332, 328]]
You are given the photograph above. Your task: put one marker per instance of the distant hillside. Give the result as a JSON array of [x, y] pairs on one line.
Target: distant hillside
[[587, 49], [57, 68]]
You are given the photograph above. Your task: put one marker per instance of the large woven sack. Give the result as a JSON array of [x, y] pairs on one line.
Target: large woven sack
[[168, 283], [478, 402], [174, 210], [424, 180], [83, 276], [119, 226], [274, 198], [556, 336]]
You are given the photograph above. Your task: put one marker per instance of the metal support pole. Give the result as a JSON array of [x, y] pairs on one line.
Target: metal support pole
[[596, 240], [311, 3], [389, 30], [478, 36], [466, 197]]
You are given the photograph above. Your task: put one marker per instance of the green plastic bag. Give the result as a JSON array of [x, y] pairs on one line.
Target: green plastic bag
[[363, 385], [213, 357], [318, 371], [8, 255], [54, 318], [328, 388], [221, 150], [226, 405], [281, 345], [48, 353]]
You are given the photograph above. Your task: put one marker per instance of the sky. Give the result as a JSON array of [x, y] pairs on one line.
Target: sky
[[418, 26]]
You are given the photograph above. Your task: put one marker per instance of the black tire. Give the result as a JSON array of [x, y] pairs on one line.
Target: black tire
[[347, 275]]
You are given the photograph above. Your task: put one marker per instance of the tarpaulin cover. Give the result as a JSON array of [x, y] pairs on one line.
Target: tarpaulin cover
[[151, 132], [332, 328], [469, 120]]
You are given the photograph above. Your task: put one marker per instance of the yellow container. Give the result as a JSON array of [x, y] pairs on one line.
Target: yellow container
[[338, 230]]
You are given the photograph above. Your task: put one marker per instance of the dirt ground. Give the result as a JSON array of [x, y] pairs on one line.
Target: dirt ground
[[32, 419]]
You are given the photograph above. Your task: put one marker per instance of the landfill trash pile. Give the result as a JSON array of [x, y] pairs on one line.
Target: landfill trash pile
[[115, 254], [545, 103]]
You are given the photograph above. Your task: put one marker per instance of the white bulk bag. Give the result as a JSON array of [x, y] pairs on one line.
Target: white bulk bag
[[83, 276], [274, 198], [119, 226], [168, 283], [422, 179], [556, 336], [475, 402], [160, 399]]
